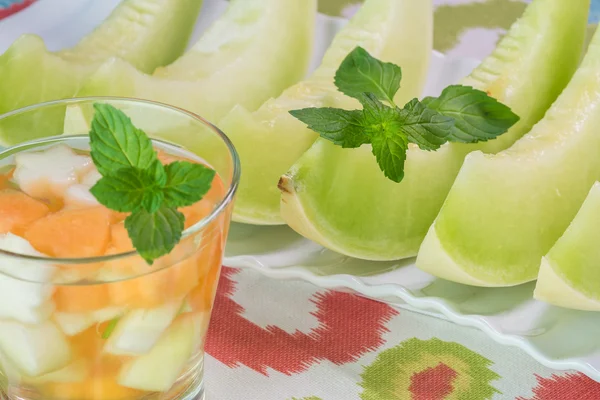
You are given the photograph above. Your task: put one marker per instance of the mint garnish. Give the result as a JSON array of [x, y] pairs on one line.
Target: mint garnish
[[133, 180], [461, 114]]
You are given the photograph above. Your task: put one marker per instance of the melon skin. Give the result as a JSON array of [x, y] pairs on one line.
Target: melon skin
[[252, 53], [391, 30], [569, 275], [506, 211], [146, 33], [341, 199]]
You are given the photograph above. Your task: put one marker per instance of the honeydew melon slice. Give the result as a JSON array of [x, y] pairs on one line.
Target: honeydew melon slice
[[398, 31], [341, 199], [34, 349], [158, 370], [569, 275], [139, 330], [74, 323], [257, 49], [25, 289], [77, 371], [146, 33], [505, 211]]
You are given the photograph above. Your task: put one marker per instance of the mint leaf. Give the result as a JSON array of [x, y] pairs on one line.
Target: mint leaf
[[186, 183], [342, 127], [116, 143], [423, 126], [155, 234], [478, 117], [361, 73], [389, 149], [110, 328]]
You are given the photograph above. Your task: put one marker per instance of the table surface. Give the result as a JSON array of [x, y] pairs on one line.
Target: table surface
[[283, 340]]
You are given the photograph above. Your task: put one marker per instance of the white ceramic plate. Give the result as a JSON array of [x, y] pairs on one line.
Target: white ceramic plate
[[557, 338]]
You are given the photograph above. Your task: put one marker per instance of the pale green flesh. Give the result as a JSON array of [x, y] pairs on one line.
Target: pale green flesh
[[270, 140], [267, 54], [353, 209], [31, 74], [506, 211], [576, 255]]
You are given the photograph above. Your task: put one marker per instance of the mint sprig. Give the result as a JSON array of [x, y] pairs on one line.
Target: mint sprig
[[135, 181], [460, 114]]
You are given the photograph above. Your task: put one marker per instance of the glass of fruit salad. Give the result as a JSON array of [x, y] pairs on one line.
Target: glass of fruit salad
[[111, 241]]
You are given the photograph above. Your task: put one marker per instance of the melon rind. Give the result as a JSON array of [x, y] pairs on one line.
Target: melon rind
[[147, 33], [270, 140], [506, 211], [339, 197], [263, 47], [569, 275]]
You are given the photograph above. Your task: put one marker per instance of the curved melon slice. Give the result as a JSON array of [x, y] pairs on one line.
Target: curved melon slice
[[569, 276], [257, 49], [506, 211], [158, 370], [270, 140], [147, 33], [341, 199]]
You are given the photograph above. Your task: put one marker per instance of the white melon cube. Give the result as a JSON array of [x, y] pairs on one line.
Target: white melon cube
[[139, 330], [25, 289], [74, 323], [79, 195], [53, 169], [34, 349], [77, 371], [91, 177], [163, 365]]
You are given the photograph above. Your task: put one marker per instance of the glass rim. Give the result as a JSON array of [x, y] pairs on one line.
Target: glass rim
[[197, 227]]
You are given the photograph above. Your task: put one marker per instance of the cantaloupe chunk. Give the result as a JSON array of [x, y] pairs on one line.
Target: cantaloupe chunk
[[72, 233], [97, 387], [17, 210]]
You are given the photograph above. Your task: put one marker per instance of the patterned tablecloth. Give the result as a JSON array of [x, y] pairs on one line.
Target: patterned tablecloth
[[280, 340]]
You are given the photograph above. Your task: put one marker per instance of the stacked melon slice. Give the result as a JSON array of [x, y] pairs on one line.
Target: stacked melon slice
[[253, 52], [506, 211], [270, 140], [146, 33], [341, 199]]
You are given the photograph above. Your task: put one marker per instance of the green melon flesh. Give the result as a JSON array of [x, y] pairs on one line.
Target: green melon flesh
[[506, 211], [569, 276], [340, 198], [147, 33], [270, 140], [253, 52]]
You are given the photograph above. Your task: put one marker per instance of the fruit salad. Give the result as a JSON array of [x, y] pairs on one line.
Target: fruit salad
[[82, 315]]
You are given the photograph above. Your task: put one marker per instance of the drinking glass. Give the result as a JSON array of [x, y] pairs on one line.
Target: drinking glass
[[110, 326]]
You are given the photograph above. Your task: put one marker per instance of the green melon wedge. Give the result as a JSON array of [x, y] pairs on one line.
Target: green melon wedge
[[570, 275], [341, 199], [270, 140], [147, 33], [505, 211], [252, 53]]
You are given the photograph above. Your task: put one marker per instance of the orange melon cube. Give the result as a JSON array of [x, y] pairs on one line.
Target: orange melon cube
[[81, 298], [18, 210], [75, 233]]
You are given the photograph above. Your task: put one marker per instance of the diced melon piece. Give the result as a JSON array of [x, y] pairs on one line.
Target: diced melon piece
[[79, 195], [162, 366], [72, 233], [34, 349], [270, 39], [139, 330], [82, 298], [340, 198], [146, 33], [398, 31], [77, 371], [570, 275], [25, 289], [97, 387], [50, 172], [17, 210], [91, 177], [506, 211], [74, 323]]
